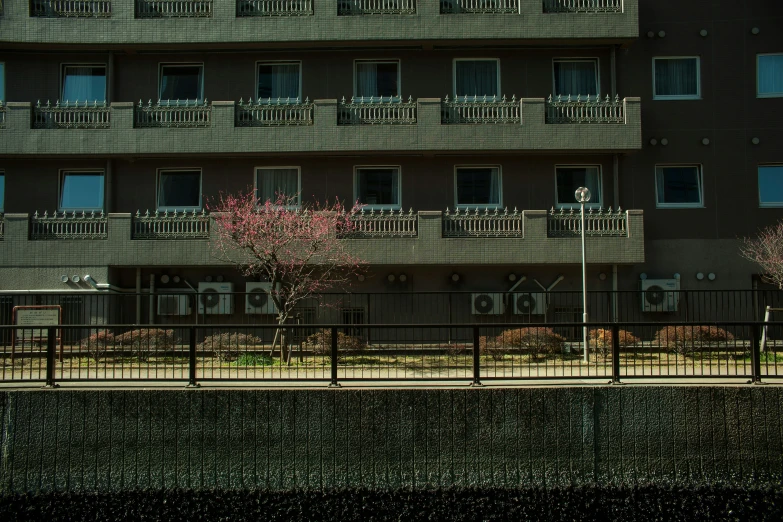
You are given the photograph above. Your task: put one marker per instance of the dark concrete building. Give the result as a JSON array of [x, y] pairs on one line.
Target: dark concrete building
[[463, 126]]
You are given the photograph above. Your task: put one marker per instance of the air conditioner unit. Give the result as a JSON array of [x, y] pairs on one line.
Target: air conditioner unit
[[215, 298], [530, 303], [487, 303], [174, 304], [257, 300], [660, 295]]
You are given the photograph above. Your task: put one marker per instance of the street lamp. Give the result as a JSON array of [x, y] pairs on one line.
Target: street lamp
[[582, 195]]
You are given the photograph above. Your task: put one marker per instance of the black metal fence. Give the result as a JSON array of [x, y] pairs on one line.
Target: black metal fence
[[399, 352]]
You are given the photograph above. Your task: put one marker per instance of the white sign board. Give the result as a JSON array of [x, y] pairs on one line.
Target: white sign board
[[36, 317]]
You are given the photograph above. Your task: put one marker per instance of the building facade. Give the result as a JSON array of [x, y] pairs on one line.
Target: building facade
[[462, 126]]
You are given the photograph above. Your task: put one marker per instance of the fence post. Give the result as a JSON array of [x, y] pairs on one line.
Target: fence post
[[615, 354], [755, 356], [334, 383], [192, 358], [476, 358], [51, 349]]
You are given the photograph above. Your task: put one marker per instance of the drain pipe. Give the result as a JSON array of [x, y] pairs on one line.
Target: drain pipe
[[152, 299], [138, 295]]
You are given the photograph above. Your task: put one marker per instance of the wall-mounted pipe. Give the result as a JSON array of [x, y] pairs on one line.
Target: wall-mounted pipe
[[152, 299], [138, 295]]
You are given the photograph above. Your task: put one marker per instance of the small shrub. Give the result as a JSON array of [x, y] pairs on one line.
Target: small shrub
[[492, 347], [97, 344], [254, 359], [144, 341], [538, 341], [685, 340], [600, 340], [320, 342], [226, 345]]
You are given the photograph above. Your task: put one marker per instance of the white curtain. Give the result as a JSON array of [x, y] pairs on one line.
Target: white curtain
[[278, 81], [478, 186], [476, 78], [770, 74], [576, 78], [84, 84], [367, 80], [276, 182], [676, 77]]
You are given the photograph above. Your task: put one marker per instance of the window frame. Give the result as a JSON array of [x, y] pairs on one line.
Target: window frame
[[356, 170], [700, 177], [676, 97], [259, 63], [491, 206], [589, 204], [2, 91], [758, 70], [61, 179], [396, 61], [595, 59], [777, 204], [454, 73], [2, 199], [298, 169], [63, 66], [174, 170], [161, 65]]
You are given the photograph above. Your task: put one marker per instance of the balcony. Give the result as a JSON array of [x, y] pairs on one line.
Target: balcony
[[376, 111], [273, 113], [274, 8], [600, 223], [479, 6], [480, 110], [585, 110], [170, 113], [489, 223], [72, 115], [583, 6], [374, 225], [69, 8], [173, 8], [375, 7], [62, 225], [171, 225]]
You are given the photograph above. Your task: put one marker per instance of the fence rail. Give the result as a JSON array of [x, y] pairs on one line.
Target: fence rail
[[480, 109], [600, 223], [274, 7], [372, 225], [72, 115], [179, 113], [375, 7], [583, 6], [171, 225], [69, 8], [65, 225], [173, 8], [272, 113], [585, 110], [376, 111], [332, 353], [479, 6], [486, 223]]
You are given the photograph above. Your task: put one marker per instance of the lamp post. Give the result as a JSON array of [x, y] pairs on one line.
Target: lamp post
[[582, 195]]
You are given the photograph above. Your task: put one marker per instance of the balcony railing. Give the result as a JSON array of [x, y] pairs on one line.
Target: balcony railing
[[600, 223], [479, 6], [587, 109], [480, 109], [482, 223], [583, 6], [372, 224], [69, 8], [171, 225], [65, 225], [374, 7], [170, 113], [72, 115], [173, 8], [272, 113], [376, 111], [274, 7]]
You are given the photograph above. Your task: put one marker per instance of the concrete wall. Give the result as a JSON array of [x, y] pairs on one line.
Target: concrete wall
[[381, 439]]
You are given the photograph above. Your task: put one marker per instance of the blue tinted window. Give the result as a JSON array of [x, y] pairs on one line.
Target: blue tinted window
[[771, 186], [2, 192], [81, 191], [84, 83], [2, 82]]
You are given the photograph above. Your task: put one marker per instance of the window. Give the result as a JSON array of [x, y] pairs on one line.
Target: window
[[274, 181], [84, 83], [181, 83], [676, 78], [571, 177], [2, 192], [770, 75], [477, 186], [377, 79], [477, 77], [2, 82], [378, 187], [771, 185], [575, 77], [678, 186], [81, 191], [279, 80], [179, 189]]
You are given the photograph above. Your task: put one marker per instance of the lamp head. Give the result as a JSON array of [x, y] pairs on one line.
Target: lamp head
[[582, 195]]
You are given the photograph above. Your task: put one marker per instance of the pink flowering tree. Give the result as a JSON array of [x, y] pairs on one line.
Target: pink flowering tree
[[295, 248], [766, 250]]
